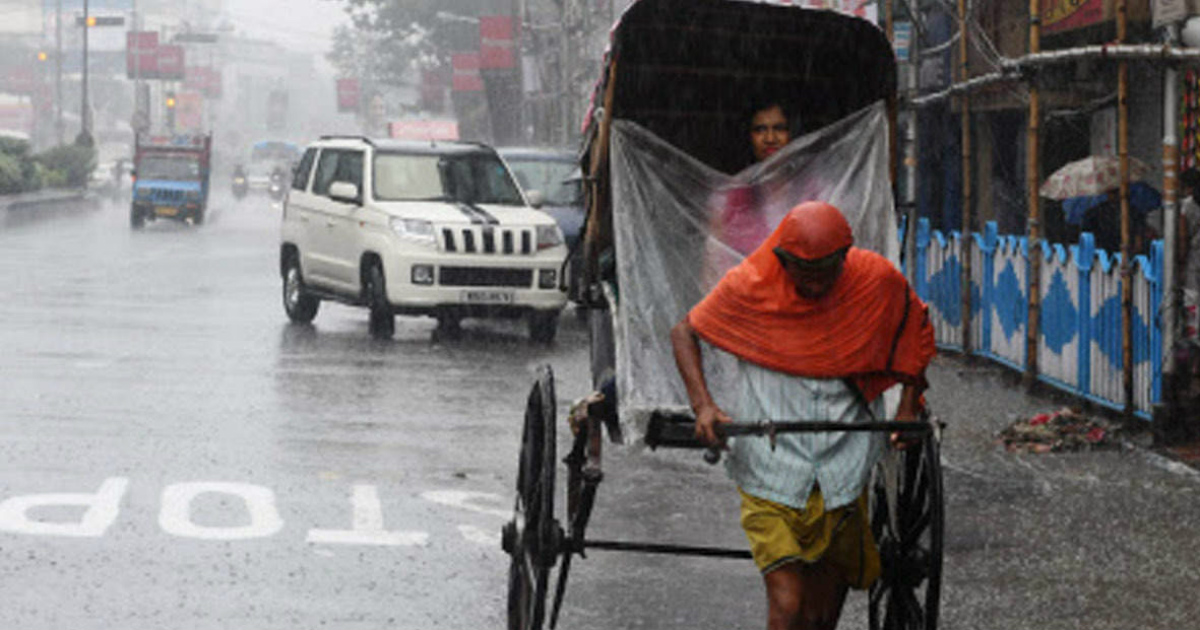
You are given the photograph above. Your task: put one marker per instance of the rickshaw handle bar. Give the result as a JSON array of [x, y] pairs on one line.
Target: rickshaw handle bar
[[677, 430]]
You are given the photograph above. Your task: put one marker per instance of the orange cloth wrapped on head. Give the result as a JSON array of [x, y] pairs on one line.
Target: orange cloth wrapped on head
[[871, 327]]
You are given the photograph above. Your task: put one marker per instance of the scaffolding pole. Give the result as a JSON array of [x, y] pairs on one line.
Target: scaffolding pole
[[1033, 179], [965, 241], [1126, 244]]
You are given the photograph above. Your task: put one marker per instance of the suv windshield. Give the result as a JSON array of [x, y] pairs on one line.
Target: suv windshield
[[473, 178], [551, 177], [169, 167]]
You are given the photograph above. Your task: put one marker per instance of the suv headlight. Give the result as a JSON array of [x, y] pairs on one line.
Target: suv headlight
[[416, 230], [548, 236]]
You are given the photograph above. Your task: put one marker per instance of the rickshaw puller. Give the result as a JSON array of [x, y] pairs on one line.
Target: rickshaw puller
[[821, 329]]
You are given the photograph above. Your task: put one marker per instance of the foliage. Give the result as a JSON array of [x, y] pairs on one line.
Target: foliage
[[18, 172], [389, 38], [70, 163]]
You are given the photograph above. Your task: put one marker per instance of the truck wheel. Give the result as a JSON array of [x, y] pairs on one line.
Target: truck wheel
[[198, 218], [136, 219], [382, 322], [300, 306], [543, 326]]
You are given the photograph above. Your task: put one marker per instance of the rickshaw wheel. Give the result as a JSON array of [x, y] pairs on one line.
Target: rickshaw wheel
[[908, 593], [533, 538]]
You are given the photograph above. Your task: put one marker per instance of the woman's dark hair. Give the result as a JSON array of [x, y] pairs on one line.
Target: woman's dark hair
[[759, 103]]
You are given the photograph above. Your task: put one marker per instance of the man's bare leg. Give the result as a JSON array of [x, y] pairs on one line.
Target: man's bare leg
[[804, 597]]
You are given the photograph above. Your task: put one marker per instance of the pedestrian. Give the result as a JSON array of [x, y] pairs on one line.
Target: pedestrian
[[820, 329]]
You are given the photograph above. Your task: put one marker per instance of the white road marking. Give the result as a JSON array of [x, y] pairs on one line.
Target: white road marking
[[480, 536], [367, 525], [101, 511], [466, 499], [175, 517]]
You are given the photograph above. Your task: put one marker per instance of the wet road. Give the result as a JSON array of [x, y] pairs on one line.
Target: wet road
[[174, 454]]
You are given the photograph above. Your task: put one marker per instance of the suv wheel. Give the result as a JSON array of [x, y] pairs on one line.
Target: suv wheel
[[301, 307], [136, 219], [382, 322], [543, 326]]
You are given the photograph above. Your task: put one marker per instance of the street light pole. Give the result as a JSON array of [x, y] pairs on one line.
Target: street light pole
[[84, 126], [58, 97]]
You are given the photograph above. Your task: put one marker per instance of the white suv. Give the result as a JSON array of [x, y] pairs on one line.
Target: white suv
[[410, 228]]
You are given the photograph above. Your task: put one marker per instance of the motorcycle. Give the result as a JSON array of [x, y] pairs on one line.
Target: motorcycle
[[240, 186]]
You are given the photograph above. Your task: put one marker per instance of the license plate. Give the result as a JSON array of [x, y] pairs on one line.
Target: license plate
[[487, 297], [166, 211]]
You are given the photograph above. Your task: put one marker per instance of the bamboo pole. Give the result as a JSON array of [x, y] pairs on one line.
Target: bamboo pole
[[1170, 165], [889, 27], [965, 280], [1033, 181], [1126, 244]]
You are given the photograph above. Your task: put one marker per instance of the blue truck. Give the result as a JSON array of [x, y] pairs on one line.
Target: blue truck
[[170, 178]]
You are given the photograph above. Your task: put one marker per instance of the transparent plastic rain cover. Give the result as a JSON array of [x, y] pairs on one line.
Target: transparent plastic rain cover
[[680, 225]]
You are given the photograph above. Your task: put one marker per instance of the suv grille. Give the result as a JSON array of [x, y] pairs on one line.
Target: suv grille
[[485, 277], [165, 196], [479, 239]]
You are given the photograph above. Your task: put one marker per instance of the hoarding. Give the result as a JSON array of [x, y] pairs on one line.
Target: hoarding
[[431, 129], [496, 47], [141, 54], [466, 72], [349, 94]]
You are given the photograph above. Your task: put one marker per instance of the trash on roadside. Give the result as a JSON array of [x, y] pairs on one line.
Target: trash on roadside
[[1065, 430]]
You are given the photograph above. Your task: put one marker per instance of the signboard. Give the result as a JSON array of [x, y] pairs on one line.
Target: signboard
[[1066, 15], [349, 94], [902, 39], [496, 48], [466, 72], [189, 111], [170, 63], [141, 54], [434, 129], [1168, 11], [205, 80]]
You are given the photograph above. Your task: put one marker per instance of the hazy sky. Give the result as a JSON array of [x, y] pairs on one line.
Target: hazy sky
[[296, 24]]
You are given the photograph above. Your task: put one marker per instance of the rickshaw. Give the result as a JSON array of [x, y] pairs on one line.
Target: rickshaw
[[659, 146]]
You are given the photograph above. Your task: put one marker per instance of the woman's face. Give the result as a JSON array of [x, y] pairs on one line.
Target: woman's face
[[768, 132]]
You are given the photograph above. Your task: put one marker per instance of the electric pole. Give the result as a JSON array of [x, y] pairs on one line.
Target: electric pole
[[58, 97], [85, 136]]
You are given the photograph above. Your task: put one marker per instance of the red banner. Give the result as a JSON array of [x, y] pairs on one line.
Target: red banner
[[170, 63], [441, 129], [348, 95], [189, 111], [1066, 15], [141, 54], [496, 46], [204, 80], [466, 72]]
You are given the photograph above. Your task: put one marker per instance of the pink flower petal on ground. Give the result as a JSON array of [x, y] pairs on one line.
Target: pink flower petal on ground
[[1095, 436]]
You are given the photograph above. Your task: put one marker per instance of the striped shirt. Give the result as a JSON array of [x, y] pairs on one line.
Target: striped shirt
[[840, 462]]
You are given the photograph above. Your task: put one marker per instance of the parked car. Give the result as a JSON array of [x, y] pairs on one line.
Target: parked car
[[417, 228], [553, 178]]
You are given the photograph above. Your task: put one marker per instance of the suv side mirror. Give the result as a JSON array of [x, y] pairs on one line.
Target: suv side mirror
[[343, 191], [535, 198]]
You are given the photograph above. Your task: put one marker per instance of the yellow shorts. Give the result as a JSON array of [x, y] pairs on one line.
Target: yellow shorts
[[780, 535]]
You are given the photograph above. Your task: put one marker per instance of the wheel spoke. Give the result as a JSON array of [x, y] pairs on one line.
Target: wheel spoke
[[916, 529]]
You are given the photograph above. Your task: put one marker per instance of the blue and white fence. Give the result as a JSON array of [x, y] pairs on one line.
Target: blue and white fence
[[1079, 340]]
